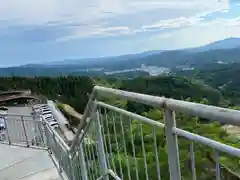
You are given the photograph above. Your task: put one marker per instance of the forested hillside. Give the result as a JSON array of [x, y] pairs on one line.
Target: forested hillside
[[70, 90], [224, 77], [173, 87], [75, 90]]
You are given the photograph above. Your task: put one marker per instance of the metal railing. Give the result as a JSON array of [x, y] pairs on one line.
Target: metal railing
[[22, 130], [113, 143]]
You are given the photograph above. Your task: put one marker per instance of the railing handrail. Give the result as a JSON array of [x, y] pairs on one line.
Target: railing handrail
[[223, 115], [94, 115], [57, 136], [16, 115]]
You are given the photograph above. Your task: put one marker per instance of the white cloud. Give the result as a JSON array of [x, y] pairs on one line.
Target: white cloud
[[94, 16], [97, 31], [174, 23], [124, 30], [90, 12], [197, 35], [224, 11]]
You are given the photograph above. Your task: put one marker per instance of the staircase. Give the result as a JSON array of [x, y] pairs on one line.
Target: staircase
[[112, 143]]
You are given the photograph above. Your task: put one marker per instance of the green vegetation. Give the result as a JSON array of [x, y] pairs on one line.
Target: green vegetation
[[70, 90], [179, 88], [205, 168], [171, 87], [75, 92], [224, 77]]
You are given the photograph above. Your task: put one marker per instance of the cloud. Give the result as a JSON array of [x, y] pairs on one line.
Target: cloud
[[163, 25], [99, 17], [196, 35], [174, 23], [225, 11], [97, 31], [41, 29]]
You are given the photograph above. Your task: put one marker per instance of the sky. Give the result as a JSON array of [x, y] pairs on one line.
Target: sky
[[39, 31]]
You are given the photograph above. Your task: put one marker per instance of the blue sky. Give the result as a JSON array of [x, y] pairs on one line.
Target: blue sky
[[33, 31]]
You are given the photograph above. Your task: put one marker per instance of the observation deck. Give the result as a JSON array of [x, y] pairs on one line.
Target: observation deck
[[113, 143]]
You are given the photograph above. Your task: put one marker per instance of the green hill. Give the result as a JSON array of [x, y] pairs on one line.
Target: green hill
[[173, 87], [224, 77]]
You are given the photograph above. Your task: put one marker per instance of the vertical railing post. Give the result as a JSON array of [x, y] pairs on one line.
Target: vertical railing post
[[60, 160], [57, 152], [25, 132], [55, 148], [71, 168], [172, 145], [89, 108], [7, 130], [47, 137], [84, 172], [36, 130], [102, 155], [40, 128]]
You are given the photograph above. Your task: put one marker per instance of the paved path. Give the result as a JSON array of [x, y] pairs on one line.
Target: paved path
[[19, 163]]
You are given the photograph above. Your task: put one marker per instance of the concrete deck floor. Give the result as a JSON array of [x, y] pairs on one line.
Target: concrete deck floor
[[19, 163]]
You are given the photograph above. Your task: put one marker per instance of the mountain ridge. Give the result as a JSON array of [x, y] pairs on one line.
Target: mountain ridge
[[158, 60], [228, 43]]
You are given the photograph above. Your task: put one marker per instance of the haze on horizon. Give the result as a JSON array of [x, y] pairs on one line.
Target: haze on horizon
[[42, 31]]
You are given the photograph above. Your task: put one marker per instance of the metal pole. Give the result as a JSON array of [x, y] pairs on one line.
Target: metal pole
[[6, 125], [84, 131], [72, 168], [40, 128], [83, 163], [55, 148], [172, 145], [36, 128], [83, 123], [60, 160], [25, 132], [102, 155], [47, 137], [57, 152]]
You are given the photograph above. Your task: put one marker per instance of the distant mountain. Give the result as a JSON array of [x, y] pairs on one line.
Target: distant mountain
[[172, 59], [228, 43], [167, 59], [224, 51], [102, 60]]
